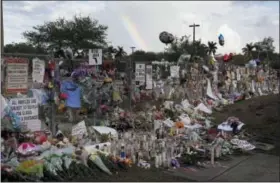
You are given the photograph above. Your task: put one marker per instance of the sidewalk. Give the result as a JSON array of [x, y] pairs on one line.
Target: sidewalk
[[255, 168]]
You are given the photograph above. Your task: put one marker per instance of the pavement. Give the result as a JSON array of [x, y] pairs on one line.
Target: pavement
[[254, 168]]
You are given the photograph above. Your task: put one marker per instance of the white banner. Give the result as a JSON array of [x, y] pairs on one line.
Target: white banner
[[174, 71], [95, 57], [149, 77], [140, 73], [38, 70], [17, 75], [27, 110]]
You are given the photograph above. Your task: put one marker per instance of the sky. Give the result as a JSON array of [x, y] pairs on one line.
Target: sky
[[139, 23]]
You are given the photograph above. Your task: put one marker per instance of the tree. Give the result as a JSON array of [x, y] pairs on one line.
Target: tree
[[142, 56], [212, 47], [248, 49], [109, 52], [23, 48], [120, 53], [79, 33]]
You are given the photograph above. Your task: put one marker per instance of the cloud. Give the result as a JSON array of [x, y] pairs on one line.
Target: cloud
[[239, 22]]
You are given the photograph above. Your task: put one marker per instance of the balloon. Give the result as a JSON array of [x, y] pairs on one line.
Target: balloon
[[221, 40], [226, 58], [166, 37]]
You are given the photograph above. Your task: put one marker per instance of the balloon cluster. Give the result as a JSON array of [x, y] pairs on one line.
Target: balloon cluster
[[221, 40], [228, 57], [166, 37]]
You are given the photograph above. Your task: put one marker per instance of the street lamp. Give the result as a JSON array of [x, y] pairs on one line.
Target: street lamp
[[130, 65]]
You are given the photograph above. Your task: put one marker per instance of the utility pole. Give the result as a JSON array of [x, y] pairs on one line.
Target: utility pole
[[2, 47], [194, 26], [130, 65], [2, 29]]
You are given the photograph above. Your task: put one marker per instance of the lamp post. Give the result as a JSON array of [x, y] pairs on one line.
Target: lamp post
[[130, 78]]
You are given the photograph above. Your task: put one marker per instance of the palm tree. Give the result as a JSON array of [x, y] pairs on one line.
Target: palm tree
[[120, 52], [211, 47], [248, 49], [258, 48], [110, 51]]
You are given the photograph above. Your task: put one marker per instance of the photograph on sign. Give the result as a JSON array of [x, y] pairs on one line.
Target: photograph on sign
[[149, 77], [38, 70], [17, 75], [95, 57], [140, 74]]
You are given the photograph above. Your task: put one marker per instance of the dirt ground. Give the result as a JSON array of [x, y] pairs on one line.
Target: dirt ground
[[136, 174], [261, 116]]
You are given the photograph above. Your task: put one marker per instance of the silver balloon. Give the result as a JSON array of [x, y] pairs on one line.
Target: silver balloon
[[166, 37]]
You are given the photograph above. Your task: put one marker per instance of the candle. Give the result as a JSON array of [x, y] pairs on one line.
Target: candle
[[156, 161], [188, 150], [212, 156]]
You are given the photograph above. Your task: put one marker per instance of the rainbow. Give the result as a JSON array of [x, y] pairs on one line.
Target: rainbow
[[134, 33]]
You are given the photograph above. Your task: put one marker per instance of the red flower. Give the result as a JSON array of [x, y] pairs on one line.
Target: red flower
[[63, 96]]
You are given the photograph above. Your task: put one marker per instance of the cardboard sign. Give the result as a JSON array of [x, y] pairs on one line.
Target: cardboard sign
[[79, 130], [95, 57], [27, 110], [140, 73], [149, 77], [17, 75], [174, 71], [38, 70]]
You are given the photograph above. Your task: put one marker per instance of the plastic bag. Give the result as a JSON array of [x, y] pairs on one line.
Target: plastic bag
[[31, 167], [97, 160], [67, 161]]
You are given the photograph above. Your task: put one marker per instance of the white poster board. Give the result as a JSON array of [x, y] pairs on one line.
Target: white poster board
[[17, 75], [174, 71], [38, 70], [27, 110], [149, 77], [79, 130], [140, 73], [95, 57]]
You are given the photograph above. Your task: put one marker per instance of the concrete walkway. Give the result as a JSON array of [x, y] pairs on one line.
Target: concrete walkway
[[253, 168], [258, 168]]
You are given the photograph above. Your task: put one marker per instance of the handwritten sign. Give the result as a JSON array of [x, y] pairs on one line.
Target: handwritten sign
[[38, 70], [149, 77], [174, 71], [79, 129], [140, 73], [27, 110], [95, 57], [17, 75]]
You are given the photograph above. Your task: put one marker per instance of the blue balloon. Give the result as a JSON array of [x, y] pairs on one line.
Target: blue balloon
[[221, 37]]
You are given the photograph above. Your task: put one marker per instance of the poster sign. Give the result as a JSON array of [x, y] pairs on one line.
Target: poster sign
[[149, 77], [174, 71], [140, 73], [38, 70], [27, 110], [79, 130], [17, 75], [95, 57]]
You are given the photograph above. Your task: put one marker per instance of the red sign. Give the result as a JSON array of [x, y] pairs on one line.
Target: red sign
[[17, 75]]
